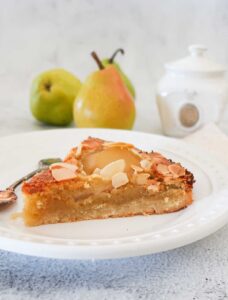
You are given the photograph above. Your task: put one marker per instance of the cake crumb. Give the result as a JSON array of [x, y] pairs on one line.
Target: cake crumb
[[16, 215], [166, 199], [86, 185]]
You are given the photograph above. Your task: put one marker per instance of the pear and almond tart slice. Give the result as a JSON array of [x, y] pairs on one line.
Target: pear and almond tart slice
[[100, 179]]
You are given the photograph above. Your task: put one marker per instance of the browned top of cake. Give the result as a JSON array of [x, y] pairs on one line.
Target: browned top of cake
[[118, 162]]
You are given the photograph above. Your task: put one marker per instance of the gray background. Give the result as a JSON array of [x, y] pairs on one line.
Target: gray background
[[38, 35]]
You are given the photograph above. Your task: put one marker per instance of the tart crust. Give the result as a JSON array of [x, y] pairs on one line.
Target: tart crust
[[102, 187]]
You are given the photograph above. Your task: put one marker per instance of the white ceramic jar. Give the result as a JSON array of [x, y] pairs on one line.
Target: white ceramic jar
[[192, 92]]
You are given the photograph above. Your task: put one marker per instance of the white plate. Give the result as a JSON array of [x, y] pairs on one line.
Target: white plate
[[112, 238]]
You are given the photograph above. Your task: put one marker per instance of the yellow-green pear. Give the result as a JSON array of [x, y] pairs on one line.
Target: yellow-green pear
[[104, 100], [52, 97], [110, 61]]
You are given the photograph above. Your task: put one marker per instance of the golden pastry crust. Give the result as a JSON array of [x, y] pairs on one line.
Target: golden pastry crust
[[107, 179]]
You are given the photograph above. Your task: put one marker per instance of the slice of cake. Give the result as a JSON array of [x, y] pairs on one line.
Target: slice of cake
[[100, 179]]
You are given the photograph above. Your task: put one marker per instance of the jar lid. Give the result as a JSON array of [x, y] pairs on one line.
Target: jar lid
[[197, 61]]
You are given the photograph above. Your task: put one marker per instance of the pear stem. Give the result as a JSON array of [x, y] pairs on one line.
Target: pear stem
[[98, 61], [111, 59]]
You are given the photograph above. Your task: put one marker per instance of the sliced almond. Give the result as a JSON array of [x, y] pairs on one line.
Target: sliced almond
[[61, 174], [119, 179], [141, 179], [153, 188], [111, 169], [176, 170], [163, 169], [64, 165], [137, 169], [145, 164], [79, 150]]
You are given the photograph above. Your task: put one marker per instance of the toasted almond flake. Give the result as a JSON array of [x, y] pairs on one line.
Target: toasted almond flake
[[79, 150], [176, 170], [153, 188], [145, 164], [97, 171], [63, 174], [63, 165], [141, 179], [137, 169], [111, 169], [163, 169], [119, 179]]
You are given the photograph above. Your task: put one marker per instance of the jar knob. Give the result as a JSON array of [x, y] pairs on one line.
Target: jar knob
[[197, 50]]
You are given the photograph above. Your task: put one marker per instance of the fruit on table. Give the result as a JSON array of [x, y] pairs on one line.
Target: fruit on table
[[104, 100], [110, 61], [52, 97]]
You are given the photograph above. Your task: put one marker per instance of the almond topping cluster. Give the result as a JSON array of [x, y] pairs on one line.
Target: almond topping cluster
[[114, 172], [174, 170], [118, 171]]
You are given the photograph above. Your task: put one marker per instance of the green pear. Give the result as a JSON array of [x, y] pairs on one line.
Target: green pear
[[110, 61], [104, 100], [52, 96]]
